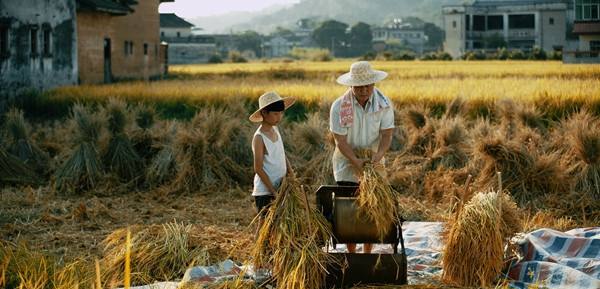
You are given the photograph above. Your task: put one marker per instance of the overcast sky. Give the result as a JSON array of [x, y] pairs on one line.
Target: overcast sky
[[195, 8]]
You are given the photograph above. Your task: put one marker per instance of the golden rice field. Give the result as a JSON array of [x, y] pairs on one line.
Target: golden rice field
[[433, 82]]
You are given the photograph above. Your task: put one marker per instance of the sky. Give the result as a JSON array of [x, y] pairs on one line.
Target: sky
[[198, 8]]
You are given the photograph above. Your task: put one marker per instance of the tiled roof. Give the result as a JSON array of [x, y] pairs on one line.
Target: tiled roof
[[170, 20], [108, 6], [587, 27]]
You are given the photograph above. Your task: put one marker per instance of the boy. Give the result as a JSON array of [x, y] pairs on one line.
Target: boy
[[270, 162]]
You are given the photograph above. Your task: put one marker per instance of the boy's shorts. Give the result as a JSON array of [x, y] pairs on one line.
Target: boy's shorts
[[263, 203]]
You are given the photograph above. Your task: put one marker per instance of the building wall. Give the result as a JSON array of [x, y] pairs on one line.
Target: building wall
[[553, 35], [21, 68], [138, 28], [172, 32], [189, 53], [454, 25]]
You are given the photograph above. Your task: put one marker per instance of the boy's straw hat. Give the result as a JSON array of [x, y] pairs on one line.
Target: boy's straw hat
[[269, 98], [361, 74]]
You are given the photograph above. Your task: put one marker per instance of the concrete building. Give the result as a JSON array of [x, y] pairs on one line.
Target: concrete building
[[407, 34], [515, 24], [587, 27], [277, 47], [38, 44], [184, 46]]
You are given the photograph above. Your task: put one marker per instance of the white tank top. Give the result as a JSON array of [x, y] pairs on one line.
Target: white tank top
[[273, 164]]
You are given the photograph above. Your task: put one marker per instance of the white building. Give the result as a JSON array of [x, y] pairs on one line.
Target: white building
[[407, 34], [277, 47], [515, 24], [185, 47], [172, 25], [587, 27]]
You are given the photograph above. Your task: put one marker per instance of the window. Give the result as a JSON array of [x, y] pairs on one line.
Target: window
[[4, 51], [126, 48], [523, 21], [178, 34], [454, 24], [551, 21], [595, 45], [47, 38], [495, 22], [130, 47], [145, 48], [162, 34], [468, 22], [33, 41], [478, 23], [587, 9]]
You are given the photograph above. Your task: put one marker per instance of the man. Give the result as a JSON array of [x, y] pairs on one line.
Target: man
[[362, 118]]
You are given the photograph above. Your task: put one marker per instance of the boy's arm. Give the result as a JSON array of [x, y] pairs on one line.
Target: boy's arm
[[258, 147]]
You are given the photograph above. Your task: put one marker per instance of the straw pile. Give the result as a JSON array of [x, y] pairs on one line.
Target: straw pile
[[450, 152], [476, 238], [377, 200], [120, 158], [158, 252], [314, 145], [290, 240], [209, 153], [14, 171], [142, 138], [421, 130], [20, 144], [82, 170], [162, 166]]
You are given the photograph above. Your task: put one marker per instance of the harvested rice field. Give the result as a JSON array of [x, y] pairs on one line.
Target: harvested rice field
[[156, 177]]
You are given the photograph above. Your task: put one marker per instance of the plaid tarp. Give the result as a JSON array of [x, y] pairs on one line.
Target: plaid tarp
[[553, 259]]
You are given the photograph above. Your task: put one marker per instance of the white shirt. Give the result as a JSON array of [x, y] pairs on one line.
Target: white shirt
[[274, 164], [363, 134]]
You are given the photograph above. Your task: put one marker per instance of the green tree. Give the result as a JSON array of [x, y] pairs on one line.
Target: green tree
[[495, 41], [434, 34], [283, 32], [331, 34], [360, 39], [249, 40]]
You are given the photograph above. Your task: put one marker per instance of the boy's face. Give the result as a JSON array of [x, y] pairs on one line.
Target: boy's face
[[272, 117]]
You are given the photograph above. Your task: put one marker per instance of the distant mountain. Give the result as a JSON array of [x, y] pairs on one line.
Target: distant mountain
[[374, 12]]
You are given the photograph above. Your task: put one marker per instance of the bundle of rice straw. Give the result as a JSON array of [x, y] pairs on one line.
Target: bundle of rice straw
[[314, 146], [158, 253], [376, 199], [208, 152], [420, 129], [476, 238], [585, 148], [142, 138], [14, 171], [83, 168], [20, 144], [527, 175], [120, 157], [290, 240], [162, 166], [450, 145]]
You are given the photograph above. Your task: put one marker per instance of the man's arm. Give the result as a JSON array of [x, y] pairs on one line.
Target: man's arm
[[347, 151], [384, 145]]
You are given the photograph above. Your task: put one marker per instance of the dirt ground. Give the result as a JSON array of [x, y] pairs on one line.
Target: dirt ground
[[71, 226]]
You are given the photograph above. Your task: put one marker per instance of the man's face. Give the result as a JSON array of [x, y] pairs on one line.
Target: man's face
[[362, 93]]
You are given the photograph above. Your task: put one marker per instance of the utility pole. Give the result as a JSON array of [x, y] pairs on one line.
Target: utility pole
[[333, 46]]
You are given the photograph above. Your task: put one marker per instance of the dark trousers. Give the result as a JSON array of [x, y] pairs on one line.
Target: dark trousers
[[263, 203]]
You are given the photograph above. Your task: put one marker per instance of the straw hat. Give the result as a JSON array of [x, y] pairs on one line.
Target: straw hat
[[266, 99], [361, 74]]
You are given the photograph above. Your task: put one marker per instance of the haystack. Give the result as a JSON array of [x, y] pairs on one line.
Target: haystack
[[158, 253], [377, 200], [20, 144], [476, 238], [313, 146], [142, 138], [420, 130], [210, 152], [14, 171], [450, 145], [526, 175], [83, 169], [120, 158], [290, 240], [162, 166]]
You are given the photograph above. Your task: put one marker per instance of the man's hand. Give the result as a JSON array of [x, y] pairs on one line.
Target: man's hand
[[376, 158]]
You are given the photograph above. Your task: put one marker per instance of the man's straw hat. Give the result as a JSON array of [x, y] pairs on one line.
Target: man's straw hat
[[361, 74], [266, 99]]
